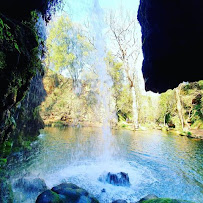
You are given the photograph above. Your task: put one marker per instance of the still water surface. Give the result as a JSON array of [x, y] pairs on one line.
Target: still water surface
[[166, 165]]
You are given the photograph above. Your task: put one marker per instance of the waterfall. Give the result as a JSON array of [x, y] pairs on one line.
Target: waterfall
[[104, 80]]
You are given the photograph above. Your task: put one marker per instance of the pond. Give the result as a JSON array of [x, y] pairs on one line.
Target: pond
[[157, 163]]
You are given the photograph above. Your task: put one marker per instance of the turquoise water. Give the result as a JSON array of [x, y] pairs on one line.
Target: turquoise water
[[166, 165]]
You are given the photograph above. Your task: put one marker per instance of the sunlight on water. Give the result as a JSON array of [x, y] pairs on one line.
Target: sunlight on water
[[86, 175], [72, 155]]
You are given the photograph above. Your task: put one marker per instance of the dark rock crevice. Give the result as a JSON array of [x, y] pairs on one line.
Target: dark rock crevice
[[172, 37]]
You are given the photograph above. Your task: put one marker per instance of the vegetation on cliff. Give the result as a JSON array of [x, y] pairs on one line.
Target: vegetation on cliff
[[21, 50]]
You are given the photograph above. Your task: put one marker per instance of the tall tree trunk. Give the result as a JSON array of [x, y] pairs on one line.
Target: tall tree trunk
[[165, 120], [135, 108], [179, 106]]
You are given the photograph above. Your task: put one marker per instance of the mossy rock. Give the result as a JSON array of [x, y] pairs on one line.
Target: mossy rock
[[165, 200], [49, 196], [66, 192]]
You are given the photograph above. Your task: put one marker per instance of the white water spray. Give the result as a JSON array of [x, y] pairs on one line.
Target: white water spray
[[105, 81]]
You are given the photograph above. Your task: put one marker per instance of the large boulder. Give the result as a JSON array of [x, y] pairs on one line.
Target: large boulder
[[66, 192], [49, 196], [118, 179]]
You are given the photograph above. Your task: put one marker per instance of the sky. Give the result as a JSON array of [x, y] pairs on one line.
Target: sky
[[78, 9]]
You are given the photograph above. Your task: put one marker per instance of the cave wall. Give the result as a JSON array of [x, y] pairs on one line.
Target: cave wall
[[20, 48], [26, 114], [19, 62], [172, 41]]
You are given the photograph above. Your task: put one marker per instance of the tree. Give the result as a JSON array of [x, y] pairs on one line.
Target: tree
[[126, 47], [116, 72], [67, 48], [167, 106]]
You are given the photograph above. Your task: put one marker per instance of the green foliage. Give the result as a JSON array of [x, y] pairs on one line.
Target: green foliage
[[197, 124], [120, 91], [200, 83], [149, 109], [2, 162], [64, 102], [167, 106], [67, 48], [115, 70], [191, 101], [5, 34], [2, 60], [176, 121], [124, 103]]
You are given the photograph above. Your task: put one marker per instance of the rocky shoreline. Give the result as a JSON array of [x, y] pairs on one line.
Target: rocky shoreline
[[67, 192]]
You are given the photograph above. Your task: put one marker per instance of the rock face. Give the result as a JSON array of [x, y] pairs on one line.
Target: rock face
[[66, 192], [30, 185], [26, 115], [172, 38], [16, 68], [20, 9], [20, 49], [118, 179]]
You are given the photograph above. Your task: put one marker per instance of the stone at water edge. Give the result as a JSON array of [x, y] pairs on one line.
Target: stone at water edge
[[66, 192], [49, 196], [118, 179], [64, 186], [30, 185], [73, 193], [154, 199], [119, 201], [148, 197], [103, 190]]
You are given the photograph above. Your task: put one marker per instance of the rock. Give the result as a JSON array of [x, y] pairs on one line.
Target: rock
[[118, 179], [119, 201], [64, 186], [70, 191], [167, 42], [148, 197], [49, 196], [103, 190], [66, 192], [162, 200], [31, 185]]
